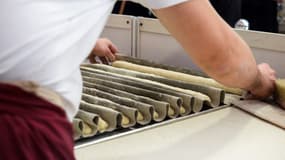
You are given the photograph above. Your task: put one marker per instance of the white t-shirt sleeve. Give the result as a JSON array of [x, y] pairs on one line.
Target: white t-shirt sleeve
[[156, 4]]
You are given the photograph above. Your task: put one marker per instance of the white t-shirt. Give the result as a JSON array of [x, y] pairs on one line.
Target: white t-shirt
[[46, 40]]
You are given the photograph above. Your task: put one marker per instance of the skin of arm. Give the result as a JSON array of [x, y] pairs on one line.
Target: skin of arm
[[215, 47]]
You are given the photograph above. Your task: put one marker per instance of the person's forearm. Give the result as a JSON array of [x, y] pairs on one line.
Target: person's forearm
[[211, 43]]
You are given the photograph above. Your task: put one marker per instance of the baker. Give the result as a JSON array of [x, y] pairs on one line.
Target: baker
[[42, 44]]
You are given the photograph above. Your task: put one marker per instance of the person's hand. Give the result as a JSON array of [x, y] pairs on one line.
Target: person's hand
[[264, 85], [105, 50]]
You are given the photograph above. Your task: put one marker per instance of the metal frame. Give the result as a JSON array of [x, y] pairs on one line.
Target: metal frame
[[125, 132]]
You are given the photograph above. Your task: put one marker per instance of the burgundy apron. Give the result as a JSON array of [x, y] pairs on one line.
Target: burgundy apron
[[32, 128]]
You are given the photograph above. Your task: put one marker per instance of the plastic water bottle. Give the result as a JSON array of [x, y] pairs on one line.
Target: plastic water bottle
[[242, 24]]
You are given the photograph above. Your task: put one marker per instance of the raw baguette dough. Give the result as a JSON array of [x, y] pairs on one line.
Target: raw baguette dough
[[200, 99], [90, 122], [143, 62], [145, 109], [175, 75], [77, 125], [187, 99], [160, 107], [174, 102], [216, 95], [128, 114], [113, 69], [110, 118]]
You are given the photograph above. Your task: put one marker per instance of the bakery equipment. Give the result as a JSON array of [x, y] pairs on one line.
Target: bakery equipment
[[225, 132]]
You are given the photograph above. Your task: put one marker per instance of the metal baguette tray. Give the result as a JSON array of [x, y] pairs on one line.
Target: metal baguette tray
[[101, 138]]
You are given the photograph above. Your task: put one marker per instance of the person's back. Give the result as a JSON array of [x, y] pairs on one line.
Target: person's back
[[45, 42], [42, 44]]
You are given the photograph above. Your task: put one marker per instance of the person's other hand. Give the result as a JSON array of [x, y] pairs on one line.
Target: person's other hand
[[264, 85], [105, 50]]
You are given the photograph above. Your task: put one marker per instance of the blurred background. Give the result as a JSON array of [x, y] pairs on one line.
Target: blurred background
[[261, 15]]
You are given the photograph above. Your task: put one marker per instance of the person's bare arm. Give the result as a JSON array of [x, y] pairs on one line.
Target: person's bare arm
[[215, 47]]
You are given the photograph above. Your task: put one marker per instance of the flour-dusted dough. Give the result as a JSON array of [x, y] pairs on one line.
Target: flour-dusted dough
[[187, 99], [145, 109], [144, 62], [185, 94], [77, 125], [90, 122], [131, 75], [110, 118], [175, 102], [90, 118], [216, 95], [129, 114], [160, 108], [82, 129], [175, 75]]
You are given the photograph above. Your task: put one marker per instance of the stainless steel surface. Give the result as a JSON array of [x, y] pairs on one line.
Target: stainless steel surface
[[125, 132]]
